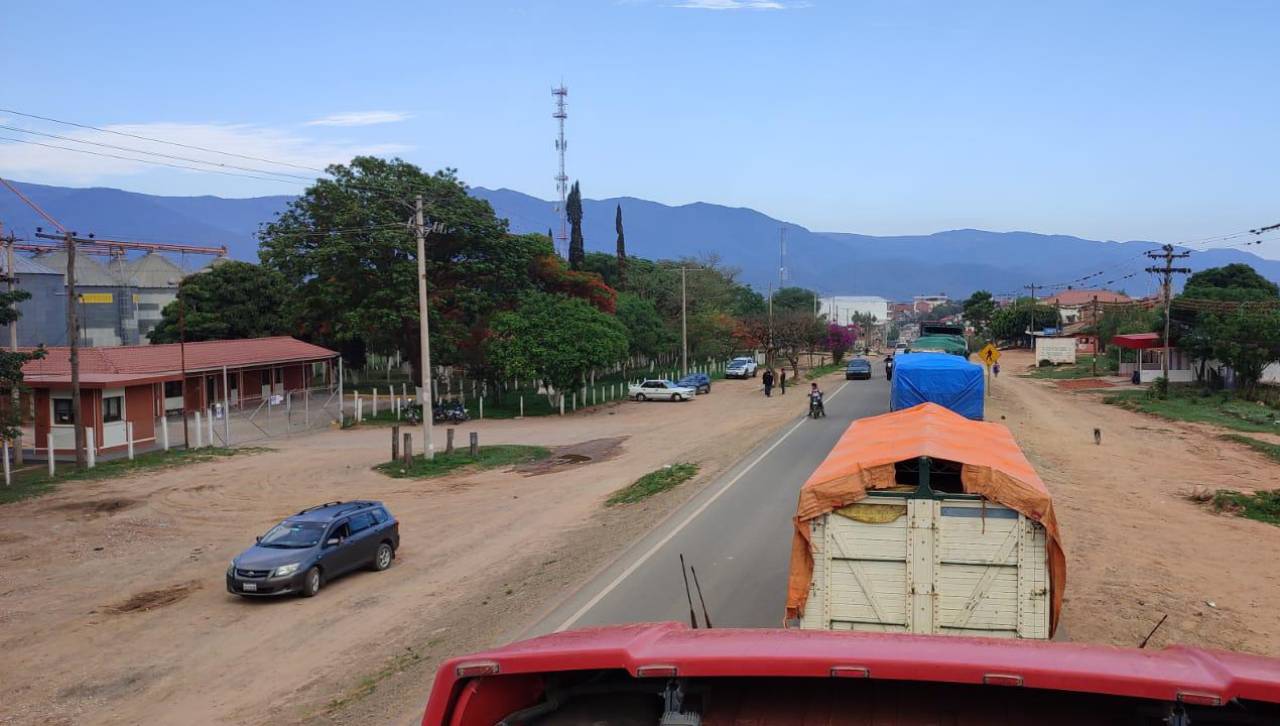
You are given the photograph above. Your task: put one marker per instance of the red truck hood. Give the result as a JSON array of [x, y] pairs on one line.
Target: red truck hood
[[667, 649]]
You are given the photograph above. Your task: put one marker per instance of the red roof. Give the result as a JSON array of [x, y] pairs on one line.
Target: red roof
[[1137, 341], [1169, 674], [139, 363], [1071, 298]]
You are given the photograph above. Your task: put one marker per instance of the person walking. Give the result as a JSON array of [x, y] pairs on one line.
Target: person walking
[[995, 370], [888, 368], [782, 381], [768, 383]]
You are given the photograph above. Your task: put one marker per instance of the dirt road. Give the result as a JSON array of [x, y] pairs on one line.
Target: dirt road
[[112, 606], [1137, 548]]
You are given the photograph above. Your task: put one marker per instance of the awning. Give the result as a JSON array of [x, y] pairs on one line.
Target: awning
[[1137, 341]]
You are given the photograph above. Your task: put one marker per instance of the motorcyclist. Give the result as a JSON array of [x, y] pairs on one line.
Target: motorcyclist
[[815, 401], [888, 367]]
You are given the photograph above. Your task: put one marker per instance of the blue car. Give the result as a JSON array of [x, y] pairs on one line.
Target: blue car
[[701, 382], [315, 546], [858, 368]]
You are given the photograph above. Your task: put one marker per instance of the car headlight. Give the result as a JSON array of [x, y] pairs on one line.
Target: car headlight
[[231, 567], [284, 570]]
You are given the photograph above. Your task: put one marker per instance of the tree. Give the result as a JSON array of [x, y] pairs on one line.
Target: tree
[[573, 208], [1247, 340], [647, 334], [1235, 282], [228, 301], [351, 263], [793, 299], [747, 302], [1012, 323], [839, 341], [11, 367], [979, 309], [795, 333], [622, 248], [555, 339]]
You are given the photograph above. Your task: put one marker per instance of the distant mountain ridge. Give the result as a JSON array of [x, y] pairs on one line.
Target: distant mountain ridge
[[956, 262]]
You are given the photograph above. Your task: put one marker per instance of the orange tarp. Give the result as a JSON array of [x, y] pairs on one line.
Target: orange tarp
[[864, 458]]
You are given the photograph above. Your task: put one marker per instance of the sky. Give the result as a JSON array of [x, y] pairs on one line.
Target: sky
[[1106, 120]]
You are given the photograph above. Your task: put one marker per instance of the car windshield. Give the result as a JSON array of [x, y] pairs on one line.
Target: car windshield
[[740, 361], [293, 535]]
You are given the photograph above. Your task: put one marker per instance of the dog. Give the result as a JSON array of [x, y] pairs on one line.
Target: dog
[[1097, 436]]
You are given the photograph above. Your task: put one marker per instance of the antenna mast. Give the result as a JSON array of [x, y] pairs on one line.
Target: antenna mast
[[562, 179]]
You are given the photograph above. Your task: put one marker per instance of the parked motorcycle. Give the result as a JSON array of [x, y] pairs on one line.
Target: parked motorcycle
[[449, 412], [816, 409]]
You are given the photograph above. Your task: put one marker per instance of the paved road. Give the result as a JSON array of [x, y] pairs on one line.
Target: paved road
[[736, 532]]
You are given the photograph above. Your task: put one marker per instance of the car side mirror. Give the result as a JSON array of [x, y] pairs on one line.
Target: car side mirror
[[333, 542]]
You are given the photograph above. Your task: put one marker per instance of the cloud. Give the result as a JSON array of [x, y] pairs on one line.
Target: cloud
[[360, 118], [739, 4], [59, 166]]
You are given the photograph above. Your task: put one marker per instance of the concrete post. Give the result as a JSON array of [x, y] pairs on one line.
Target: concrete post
[[209, 420], [575, 400], [375, 402], [226, 408], [51, 463], [448, 440], [128, 435], [306, 409], [475, 444], [200, 430], [522, 406], [90, 448], [561, 397], [8, 477], [164, 432], [482, 407]]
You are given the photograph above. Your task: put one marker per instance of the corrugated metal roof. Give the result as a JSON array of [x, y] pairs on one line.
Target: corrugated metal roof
[[141, 362], [26, 266], [88, 270], [154, 270]]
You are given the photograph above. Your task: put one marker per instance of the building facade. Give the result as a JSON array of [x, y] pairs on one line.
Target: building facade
[[841, 309]]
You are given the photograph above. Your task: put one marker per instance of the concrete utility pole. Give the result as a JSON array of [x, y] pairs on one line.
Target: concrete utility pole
[[768, 353], [1031, 322], [684, 327], [1097, 335], [1167, 254], [73, 337], [12, 279], [420, 231]]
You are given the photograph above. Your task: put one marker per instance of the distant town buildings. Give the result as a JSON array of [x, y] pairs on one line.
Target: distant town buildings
[[841, 309], [926, 303], [1073, 305]]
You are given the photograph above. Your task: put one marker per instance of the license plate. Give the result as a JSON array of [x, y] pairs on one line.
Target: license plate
[[249, 586]]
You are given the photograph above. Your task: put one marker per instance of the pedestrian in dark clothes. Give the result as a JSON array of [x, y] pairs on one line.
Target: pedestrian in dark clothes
[[768, 383], [783, 381]]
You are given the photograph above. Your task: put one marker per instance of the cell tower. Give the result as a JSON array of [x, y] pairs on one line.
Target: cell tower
[[562, 179]]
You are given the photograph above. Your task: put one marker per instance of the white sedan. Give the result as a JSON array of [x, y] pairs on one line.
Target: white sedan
[[660, 390]]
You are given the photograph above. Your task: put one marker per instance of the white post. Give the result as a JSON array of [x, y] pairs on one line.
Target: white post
[[200, 430], [593, 395], [209, 419], [51, 464], [575, 400], [8, 479], [128, 435], [482, 407], [342, 400], [89, 445], [521, 406], [375, 402], [561, 397], [226, 408], [306, 409], [164, 432]]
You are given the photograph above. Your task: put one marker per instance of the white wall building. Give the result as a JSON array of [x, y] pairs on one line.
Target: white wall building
[[841, 308]]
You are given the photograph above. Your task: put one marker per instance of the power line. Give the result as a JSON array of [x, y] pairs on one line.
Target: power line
[[160, 141]]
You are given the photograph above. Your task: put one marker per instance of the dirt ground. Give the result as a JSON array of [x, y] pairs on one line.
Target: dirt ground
[[1137, 548], [112, 601]]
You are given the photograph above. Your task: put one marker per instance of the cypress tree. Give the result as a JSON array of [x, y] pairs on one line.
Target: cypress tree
[[574, 209], [622, 248]]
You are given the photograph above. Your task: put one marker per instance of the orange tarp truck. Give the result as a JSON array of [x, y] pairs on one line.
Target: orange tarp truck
[[924, 521]]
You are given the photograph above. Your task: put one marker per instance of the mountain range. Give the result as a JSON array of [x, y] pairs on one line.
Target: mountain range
[[956, 262]]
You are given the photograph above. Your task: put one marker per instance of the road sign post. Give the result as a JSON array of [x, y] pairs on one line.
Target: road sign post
[[989, 355]]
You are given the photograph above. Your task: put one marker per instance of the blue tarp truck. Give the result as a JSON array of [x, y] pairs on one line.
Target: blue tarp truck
[[940, 378]]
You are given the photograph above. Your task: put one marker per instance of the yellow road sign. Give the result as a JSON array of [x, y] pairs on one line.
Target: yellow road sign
[[989, 354]]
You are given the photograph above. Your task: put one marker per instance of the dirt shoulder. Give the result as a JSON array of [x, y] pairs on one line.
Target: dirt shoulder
[[113, 609], [1137, 548]]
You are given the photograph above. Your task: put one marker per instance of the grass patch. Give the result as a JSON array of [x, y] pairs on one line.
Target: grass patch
[[1082, 368], [1220, 409], [823, 370], [368, 684], [35, 481], [1263, 506], [1267, 449], [488, 457], [655, 482]]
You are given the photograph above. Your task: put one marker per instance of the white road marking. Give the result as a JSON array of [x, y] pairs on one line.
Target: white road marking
[[679, 527]]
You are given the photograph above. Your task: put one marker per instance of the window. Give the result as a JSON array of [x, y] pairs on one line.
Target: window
[[62, 411], [112, 409], [173, 389], [340, 531], [380, 516], [361, 522], [266, 378]]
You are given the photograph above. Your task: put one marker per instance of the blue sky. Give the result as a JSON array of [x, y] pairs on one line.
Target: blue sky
[[1108, 120]]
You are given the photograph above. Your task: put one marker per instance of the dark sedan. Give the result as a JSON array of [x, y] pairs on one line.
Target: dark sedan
[[858, 368]]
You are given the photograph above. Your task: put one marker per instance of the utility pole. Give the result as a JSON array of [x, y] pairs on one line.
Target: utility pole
[[12, 279], [182, 354], [1097, 335], [782, 257], [1167, 254], [684, 328], [73, 337], [1031, 321], [429, 447], [768, 352]]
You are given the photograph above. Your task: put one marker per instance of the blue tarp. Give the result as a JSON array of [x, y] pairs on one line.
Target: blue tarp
[[940, 378]]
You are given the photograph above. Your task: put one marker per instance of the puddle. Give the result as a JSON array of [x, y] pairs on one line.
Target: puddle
[[573, 455]]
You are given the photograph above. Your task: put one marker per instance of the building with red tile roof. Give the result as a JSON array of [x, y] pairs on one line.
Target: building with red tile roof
[[140, 384]]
